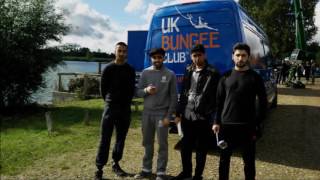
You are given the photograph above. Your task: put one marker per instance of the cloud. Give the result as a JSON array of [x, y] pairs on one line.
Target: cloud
[[90, 28], [84, 20], [151, 8], [150, 11], [85, 26], [134, 5]]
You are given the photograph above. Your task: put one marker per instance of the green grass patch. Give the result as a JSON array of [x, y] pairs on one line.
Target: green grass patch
[[25, 139]]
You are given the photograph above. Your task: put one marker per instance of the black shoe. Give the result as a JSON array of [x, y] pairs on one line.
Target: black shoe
[[182, 176], [98, 175], [161, 177], [143, 175], [118, 171]]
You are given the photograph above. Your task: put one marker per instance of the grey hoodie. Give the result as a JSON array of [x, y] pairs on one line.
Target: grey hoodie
[[165, 99]]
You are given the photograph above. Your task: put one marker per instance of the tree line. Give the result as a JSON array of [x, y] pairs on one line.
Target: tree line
[[277, 19], [71, 50]]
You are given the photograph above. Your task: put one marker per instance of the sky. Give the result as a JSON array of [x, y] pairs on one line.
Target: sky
[[99, 24]]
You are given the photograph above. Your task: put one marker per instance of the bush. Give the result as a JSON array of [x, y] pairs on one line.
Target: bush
[[86, 86]]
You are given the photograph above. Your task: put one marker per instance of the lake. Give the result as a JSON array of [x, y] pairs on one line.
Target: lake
[[44, 95]]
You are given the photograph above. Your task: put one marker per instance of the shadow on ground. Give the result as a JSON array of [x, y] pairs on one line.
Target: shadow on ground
[[291, 137], [299, 92]]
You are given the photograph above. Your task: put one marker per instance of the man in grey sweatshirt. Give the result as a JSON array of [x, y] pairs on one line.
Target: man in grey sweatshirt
[[157, 86]]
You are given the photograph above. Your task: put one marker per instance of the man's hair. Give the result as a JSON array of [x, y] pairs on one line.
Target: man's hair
[[154, 51], [121, 44], [241, 46], [198, 48]]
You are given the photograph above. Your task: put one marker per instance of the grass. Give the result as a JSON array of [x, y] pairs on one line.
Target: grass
[[25, 140], [289, 149]]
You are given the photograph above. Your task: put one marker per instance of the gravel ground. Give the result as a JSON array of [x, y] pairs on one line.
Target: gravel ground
[[289, 149]]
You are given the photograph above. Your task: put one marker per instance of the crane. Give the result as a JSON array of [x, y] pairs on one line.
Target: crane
[[299, 53]]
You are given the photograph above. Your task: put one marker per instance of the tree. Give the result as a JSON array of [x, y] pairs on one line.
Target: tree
[[276, 18], [279, 26], [309, 20], [69, 49], [25, 29]]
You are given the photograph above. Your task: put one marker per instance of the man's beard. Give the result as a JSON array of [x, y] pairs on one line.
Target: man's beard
[[199, 63], [121, 58], [241, 64], [157, 65]]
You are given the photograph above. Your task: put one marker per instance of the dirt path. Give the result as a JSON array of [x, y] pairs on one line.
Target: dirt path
[[292, 137], [290, 148]]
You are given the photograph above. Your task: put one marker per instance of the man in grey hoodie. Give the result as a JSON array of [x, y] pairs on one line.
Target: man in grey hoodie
[[157, 86]]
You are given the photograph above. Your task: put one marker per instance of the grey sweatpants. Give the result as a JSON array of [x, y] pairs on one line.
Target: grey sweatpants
[[152, 124]]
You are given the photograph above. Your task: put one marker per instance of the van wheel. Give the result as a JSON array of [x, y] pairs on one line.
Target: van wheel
[[274, 102]]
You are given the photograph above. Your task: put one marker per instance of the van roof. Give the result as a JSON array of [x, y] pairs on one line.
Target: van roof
[[197, 2]]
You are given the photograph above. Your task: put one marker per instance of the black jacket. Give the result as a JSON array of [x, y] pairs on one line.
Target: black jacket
[[205, 92]]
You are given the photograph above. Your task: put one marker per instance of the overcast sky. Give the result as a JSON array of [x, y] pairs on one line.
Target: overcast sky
[[99, 24]]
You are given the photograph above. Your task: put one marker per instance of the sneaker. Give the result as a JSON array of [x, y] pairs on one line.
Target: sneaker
[[143, 175], [161, 177], [182, 176], [118, 171], [98, 175]]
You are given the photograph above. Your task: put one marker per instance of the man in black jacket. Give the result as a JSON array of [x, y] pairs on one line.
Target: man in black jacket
[[237, 119], [117, 89], [195, 111]]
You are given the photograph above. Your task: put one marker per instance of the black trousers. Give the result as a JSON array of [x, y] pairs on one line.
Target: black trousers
[[238, 137], [117, 117], [195, 135]]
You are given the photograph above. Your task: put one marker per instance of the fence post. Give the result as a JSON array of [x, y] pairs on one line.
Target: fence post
[[49, 122], [86, 117], [99, 68], [85, 86], [59, 83]]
